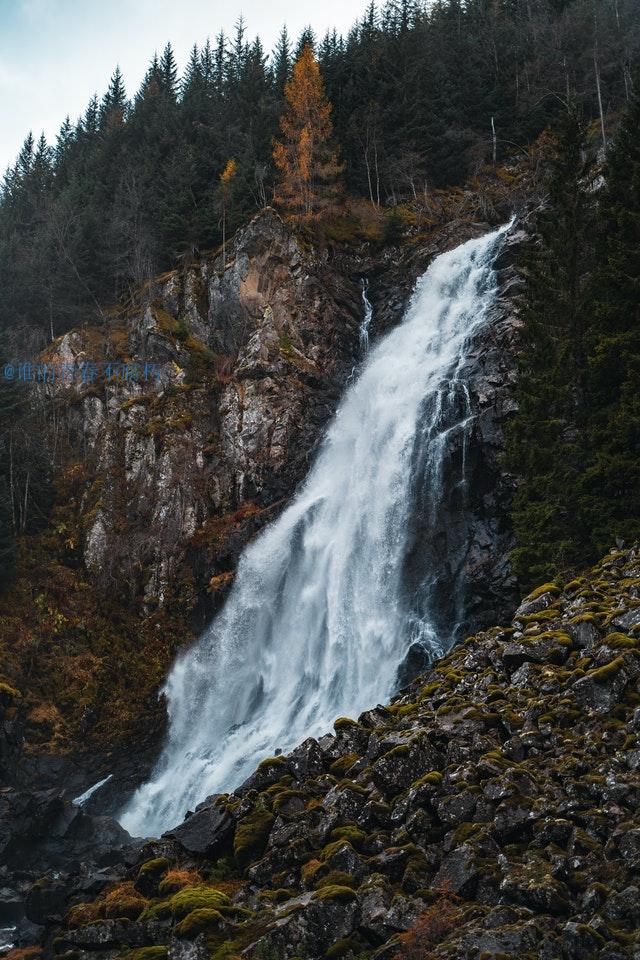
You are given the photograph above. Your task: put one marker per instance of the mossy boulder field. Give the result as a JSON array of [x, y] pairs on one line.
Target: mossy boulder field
[[491, 810]]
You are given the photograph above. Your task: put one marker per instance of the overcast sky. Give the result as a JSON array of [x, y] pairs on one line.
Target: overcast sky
[[54, 54]]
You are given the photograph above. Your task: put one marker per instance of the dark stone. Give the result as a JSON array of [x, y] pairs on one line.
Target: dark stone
[[209, 828], [600, 693], [458, 871]]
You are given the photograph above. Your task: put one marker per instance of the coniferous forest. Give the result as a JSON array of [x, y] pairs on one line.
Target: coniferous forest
[[422, 96]]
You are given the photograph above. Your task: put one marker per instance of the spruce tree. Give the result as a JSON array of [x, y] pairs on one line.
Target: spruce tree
[[610, 492], [545, 448]]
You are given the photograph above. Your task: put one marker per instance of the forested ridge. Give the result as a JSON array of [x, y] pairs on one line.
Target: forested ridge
[[422, 96], [414, 100]]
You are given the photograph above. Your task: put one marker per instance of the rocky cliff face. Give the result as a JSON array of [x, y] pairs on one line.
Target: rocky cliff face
[[251, 357], [491, 810]]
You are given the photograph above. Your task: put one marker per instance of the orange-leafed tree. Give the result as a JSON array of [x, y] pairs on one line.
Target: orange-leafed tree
[[306, 157], [226, 180]]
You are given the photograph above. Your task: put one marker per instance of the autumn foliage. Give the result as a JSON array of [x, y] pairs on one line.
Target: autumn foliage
[[431, 928], [305, 157]]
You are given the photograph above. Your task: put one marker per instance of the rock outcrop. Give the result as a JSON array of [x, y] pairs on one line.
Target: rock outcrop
[[490, 810], [231, 371]]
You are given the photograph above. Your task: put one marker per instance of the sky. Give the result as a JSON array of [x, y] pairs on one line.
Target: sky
[[55, 54]]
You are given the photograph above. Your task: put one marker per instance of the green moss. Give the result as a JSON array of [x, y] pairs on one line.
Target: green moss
[[353, 834], [9, 693], [268, 762], [196, 922], [196, 898], [551, 613], [281, 895], [124, 908], [144, 953], [342, 948], [620, 641], [336, 878], [407, 710], [434, 777], [284, 795], [539, 591], [353, 787], [601, 674], [402, 750], [342, 764], [465, 831], [343, 723], [251, 836], [332, 848], [335, 892], [153, 868]]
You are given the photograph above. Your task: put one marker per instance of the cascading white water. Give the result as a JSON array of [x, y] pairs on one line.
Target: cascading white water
[[317, 622], [367, 316]]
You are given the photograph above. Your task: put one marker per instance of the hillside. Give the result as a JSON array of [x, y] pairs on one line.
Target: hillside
[[491, 809]]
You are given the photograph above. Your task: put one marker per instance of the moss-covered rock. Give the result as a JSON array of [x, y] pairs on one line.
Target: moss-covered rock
[[251, 835], [198, 921]]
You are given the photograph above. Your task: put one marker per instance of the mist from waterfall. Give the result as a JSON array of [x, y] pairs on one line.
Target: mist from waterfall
[[317, 622]]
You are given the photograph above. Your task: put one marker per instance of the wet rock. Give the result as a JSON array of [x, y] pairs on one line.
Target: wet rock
[[178, 949], [47, 900], [546, 648], [583, 632]]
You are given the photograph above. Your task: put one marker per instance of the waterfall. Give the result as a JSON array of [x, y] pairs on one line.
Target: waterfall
[[317, 622], [367, 315]]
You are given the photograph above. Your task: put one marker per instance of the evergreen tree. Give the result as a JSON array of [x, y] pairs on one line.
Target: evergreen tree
[[306, 39], [546, 447], [610, 491], [306, 159], [114, 102], [282, 61]]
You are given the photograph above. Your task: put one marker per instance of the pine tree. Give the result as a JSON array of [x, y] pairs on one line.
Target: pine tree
[[11, 406], [306, 158]]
